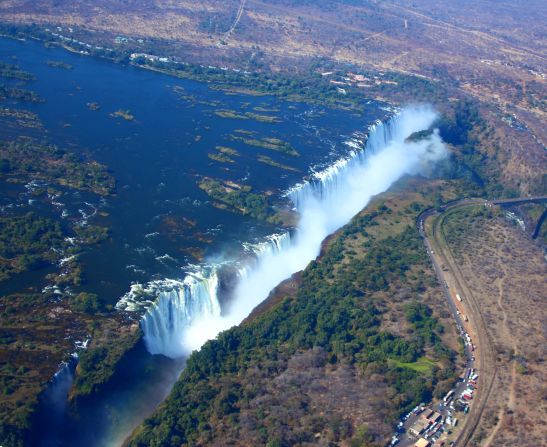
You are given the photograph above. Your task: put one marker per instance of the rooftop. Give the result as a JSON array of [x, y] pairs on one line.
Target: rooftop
[[420, 425]]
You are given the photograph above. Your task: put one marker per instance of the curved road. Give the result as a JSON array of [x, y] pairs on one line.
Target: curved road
[[429, 224]]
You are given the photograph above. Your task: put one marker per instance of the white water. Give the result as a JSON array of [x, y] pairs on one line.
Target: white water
[[196, 298], [185, 315]]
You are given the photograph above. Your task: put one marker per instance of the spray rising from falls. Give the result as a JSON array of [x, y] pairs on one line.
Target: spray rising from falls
[[187, 314]]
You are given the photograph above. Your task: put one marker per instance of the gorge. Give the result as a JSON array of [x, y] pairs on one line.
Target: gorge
[[188, 313]]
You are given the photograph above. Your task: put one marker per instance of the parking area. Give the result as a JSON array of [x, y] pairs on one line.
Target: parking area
[[439, 423]]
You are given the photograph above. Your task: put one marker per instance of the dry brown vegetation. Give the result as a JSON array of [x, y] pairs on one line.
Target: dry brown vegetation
[[507, 271], [308, 391], [492, 50], [510, 42], [274, 380]]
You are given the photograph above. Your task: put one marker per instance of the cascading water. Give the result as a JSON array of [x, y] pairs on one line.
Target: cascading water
[[183, 317], [177, 305], [176, 308]]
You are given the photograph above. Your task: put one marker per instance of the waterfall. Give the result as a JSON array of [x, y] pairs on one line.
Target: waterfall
[[171, 307], [185, 315], [178, 305]]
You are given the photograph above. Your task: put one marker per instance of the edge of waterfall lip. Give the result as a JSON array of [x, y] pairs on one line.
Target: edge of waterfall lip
[[72, 358], [357, 143], [142, 297], [257, 247]]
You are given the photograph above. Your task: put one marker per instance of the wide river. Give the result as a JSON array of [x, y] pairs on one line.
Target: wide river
[[161, 222]]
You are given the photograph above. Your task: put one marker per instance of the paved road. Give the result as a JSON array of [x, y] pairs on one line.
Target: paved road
[[516, 201], [452, 282], [447, 272]]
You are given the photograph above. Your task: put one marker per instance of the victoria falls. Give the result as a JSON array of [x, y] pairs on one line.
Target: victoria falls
[[182, 300], [282, 223]]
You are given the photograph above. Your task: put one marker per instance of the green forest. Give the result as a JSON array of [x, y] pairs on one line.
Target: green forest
[[332, 322]]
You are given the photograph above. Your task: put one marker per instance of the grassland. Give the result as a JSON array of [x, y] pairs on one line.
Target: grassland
[[273, 144], [423, 365]]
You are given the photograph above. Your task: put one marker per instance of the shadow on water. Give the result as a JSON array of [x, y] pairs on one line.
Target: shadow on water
[[52, 407], [141, 382]]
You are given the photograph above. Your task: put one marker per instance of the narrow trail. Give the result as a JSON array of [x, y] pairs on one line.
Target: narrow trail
[[240, 11]]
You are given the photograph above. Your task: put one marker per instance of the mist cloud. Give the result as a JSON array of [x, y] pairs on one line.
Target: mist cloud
[[326, 204]]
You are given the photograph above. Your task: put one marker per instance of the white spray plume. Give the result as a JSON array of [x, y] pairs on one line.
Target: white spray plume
[[350, 192], [325, 204]]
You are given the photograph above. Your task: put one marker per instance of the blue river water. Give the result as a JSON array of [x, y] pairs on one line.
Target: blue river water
[[160, 220]]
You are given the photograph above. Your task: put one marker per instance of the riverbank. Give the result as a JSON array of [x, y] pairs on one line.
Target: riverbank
[[306, 86]]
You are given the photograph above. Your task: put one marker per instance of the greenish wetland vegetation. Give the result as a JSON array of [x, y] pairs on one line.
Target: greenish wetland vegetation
[[363, 315], [247, 115], [28, 242], [17, 118], [263, 118], [19, 94], [59, 64], [227, 151], [267, 160], [12, 71], [220, 157], [240, 198], [25, 159], [230, 114], [224, 154], [39, 248], [273, 144]]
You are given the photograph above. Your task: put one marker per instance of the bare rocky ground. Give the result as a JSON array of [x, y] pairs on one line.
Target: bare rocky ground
[[506, 271]]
